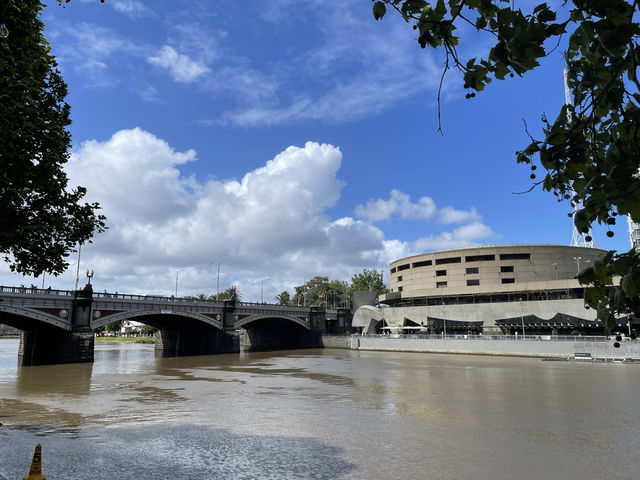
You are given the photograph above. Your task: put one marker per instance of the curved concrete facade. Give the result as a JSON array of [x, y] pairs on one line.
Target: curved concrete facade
[[490, 288], [490, 269]]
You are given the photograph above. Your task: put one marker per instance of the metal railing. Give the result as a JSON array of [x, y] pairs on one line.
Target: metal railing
[[525, 338], [35, 291], [135, 297]]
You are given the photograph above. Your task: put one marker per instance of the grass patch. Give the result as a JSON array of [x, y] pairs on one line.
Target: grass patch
[[127, 339]]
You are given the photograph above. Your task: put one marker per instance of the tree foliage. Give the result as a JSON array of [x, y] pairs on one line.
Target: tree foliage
[[283, 298], [230, 293], [368, 279], [320, 291], [42, 219], [591, 151]]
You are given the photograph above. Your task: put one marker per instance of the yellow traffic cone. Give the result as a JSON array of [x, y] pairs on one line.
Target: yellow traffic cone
[[35, 472]]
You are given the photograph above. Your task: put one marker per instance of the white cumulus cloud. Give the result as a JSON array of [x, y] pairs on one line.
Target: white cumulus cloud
[[269, 229], [181, 68]]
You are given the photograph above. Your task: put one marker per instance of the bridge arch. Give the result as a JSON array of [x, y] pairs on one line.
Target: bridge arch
[[264, 316], [16, 316], [276, 330], [99, 322]]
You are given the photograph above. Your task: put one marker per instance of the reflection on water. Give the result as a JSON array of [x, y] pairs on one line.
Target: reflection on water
[[319, 414]]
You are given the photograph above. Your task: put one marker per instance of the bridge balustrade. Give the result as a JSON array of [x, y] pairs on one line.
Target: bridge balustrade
[[35, 291]]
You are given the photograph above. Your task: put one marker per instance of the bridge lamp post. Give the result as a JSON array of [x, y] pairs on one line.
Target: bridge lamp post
[[178, 273]]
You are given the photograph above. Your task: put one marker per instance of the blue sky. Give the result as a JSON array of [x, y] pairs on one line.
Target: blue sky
[[286, 139]]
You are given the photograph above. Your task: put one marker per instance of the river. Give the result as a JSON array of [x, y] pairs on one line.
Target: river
[[319, 414]]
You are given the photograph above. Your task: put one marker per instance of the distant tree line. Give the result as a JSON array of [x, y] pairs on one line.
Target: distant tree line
[[320, 291]]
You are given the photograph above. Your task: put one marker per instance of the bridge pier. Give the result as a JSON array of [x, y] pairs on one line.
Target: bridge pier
[[200, 339], [196, 340], [51, 345]]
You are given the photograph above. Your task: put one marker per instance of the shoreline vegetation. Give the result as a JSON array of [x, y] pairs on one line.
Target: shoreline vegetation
[[126, 339]]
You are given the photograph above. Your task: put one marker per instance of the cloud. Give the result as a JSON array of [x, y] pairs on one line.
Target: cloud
[[272, 223], [132, 8], [466, 235], [102, 56], [357, 67], [181, 68], [448, 215], [399, 204], [346, 68]]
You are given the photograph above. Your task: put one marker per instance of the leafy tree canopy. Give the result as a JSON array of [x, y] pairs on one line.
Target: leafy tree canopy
[[283, 298], [42, 220], [368, 279], [591, 152], [230, 293], [336, 293]]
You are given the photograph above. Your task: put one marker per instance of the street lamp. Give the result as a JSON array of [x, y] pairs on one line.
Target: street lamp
[[522, 317], [444, 321], [218, 284], [177, 273], [78, 266], [89, 275], [577, 259]]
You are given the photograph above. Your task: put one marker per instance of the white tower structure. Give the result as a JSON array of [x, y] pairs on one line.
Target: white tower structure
[[634, 233], [578, 239]]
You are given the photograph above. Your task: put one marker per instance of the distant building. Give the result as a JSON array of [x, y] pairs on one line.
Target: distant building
[[634, 234], [493, 289]]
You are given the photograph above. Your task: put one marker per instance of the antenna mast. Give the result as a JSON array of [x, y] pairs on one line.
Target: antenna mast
[[577, 238]]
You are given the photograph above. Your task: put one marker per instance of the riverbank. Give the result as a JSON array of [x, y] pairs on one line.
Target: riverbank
[[127, 339], [512, 346]]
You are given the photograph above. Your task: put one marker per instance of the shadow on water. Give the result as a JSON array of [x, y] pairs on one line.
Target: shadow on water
[[73, 379], [170, 452]]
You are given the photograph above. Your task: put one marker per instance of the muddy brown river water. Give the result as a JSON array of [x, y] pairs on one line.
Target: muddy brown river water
[[319, 414]]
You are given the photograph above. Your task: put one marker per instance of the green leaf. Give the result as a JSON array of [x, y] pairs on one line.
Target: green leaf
[[379, 10]]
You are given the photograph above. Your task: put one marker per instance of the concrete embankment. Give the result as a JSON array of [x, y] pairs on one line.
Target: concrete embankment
[[548, 347]]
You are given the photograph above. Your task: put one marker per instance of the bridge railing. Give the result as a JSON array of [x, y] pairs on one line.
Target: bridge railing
[[35, 291]]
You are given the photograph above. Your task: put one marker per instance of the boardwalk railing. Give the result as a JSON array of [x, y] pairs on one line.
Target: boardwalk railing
[[525, 338]]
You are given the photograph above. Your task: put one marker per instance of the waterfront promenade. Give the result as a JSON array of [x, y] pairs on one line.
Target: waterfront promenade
[[544, 346]]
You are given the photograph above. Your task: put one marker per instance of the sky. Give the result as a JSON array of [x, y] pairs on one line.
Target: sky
[[284, 139]]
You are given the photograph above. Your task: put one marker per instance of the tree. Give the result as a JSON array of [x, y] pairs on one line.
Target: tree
[[283, 298], [114, 327], [230, 293], [368, 279], [42, 220], [591, 151]]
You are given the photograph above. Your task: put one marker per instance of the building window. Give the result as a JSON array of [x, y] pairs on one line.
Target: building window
[[444, 261], [399, 289], [508, 280], [400, 278], [393, 270], [403, 267], [471, 270], [515, 256], [479, 258], [441, 284], [441, 273], [471, 283], [506, 269], [426, 263]]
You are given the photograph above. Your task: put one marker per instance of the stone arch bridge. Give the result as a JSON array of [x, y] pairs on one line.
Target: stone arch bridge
[[57, 325]]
